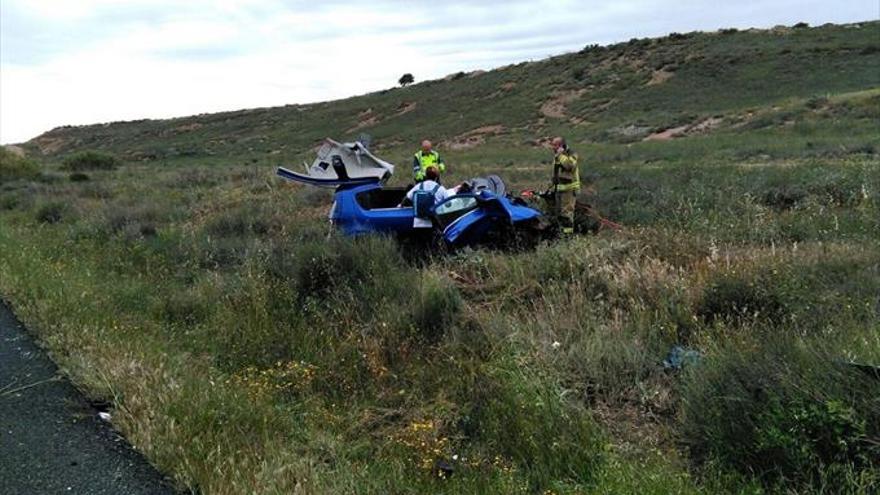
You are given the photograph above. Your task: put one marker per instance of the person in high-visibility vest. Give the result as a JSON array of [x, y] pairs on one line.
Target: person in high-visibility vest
[[566, 184], [424, 158]]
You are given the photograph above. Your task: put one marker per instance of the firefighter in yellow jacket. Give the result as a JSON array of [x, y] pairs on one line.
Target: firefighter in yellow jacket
[[424, 158], [566, 184]]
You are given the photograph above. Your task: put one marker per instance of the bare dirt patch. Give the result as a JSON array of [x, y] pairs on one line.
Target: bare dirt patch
[[668, 134], [700, 127], [365, 119], [542, 142], [15, 150], [706, 125], [405, 107], [659, 77], [384, 145], [188, 127], [555, 106], [369, 117], [474, 137], [501, 91], [50, 145]]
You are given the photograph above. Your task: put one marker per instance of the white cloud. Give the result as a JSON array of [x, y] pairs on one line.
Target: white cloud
[[101, 60]]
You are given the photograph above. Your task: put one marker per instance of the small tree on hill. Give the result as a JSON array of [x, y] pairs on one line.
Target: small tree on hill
[[406, 79]]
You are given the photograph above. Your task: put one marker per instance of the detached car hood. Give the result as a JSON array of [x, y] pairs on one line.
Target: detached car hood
[[339, 164]]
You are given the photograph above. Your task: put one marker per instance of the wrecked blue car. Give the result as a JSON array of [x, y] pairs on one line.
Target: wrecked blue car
[[479, 213]]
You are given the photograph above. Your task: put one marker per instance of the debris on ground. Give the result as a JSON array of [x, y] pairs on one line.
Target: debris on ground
[[679, 357]]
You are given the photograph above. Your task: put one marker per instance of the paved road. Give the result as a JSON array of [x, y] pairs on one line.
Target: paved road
[[51, 439]]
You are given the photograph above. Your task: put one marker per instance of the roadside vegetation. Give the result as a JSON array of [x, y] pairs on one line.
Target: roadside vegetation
[[245, 348], [16, 166]]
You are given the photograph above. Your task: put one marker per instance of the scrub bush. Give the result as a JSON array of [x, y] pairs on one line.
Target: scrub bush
[[13, 166], [51, 212], [526, 419], [784, 197], [781, 413], [733, 297], [184, 308], [437, 307], [90, 160], [238, 223]]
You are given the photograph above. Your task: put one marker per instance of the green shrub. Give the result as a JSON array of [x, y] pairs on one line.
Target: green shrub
[[437, 307], [239, 222], [786, 415], [14, 166], [184, 308], [783, 197], [525, 418], [816, 102], [580, 73], [51, 212], [680, 36], [738, 297], [219, 253], [339, 269], [90, 160], [803, 433], [78, 177], [96, 191], [9, 201]]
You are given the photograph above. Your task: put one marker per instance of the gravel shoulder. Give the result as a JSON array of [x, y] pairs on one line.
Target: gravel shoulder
[[51, 439]]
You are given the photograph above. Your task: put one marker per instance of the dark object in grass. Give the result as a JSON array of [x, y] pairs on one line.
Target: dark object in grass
[[679, 357], [443, 469], [148, 230], [78, 177], [50, 213], [783, 198], [817, 102], [868, 369]]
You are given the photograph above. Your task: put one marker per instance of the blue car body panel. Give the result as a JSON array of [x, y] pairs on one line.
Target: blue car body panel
[[353, 219], [493, 210]]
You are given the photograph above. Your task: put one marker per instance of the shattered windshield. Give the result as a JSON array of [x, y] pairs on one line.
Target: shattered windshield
[[455, 204]]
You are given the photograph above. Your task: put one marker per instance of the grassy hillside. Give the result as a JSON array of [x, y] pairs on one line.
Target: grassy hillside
[[618, 93], [245, 350]]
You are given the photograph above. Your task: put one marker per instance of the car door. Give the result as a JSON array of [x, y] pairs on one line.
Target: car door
[[452, 208]]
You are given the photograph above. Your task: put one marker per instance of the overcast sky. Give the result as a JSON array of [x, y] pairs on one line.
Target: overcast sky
[[87, 61]]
